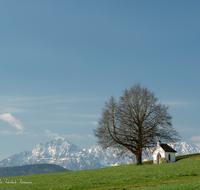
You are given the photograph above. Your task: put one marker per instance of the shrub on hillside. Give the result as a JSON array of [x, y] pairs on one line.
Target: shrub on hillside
[[163, 160]]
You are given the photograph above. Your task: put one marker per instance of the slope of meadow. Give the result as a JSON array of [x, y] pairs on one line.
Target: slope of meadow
[[185, 172]]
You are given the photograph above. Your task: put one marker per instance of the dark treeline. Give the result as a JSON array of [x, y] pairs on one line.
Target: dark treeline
[[30, 170]]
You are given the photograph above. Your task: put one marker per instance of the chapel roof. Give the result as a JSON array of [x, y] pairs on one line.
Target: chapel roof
[[167, 148]]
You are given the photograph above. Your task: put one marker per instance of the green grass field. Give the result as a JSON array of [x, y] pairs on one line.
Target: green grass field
[[184, 174]]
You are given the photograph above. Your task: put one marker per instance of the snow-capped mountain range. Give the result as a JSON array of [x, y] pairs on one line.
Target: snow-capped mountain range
[[64, 153]]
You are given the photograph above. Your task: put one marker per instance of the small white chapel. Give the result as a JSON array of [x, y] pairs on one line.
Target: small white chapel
[[163, 150]]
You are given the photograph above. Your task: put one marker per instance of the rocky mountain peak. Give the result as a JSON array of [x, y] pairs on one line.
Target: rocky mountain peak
[[62, 152]]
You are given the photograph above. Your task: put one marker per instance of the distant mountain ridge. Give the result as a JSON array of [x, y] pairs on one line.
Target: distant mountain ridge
[[58, 151], [30, 170], [61, 152], [184, 148]]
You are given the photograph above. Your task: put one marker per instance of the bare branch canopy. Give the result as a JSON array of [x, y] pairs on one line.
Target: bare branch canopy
[[135, 122]]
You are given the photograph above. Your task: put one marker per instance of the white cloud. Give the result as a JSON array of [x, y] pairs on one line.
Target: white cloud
[[11, 109], [175, 103], [83, 115], [10, 132], [51, 135], [95, 123], [22, 99], [74, 136], [183, 128], [91, 137], [195, 138], [63, 122], [197, 144], [77, 100], [12, 121]]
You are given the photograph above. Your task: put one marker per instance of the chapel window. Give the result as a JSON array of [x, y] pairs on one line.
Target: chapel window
[[169, 157]]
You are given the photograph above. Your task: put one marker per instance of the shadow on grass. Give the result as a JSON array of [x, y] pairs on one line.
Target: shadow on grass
[[181, 157]]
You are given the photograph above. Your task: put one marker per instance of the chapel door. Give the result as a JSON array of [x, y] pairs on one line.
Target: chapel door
[[158, 158]]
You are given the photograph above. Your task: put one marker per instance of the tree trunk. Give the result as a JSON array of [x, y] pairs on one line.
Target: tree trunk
[[139, 158]]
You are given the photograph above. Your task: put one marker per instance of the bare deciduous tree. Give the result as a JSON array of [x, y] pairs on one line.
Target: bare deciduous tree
[[135, 123]]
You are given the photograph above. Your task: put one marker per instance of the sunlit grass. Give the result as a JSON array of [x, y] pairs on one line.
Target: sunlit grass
[[184, 185], [122, 177]]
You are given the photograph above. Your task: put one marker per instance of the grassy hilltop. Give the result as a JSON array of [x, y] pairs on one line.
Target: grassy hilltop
[[184, 174]]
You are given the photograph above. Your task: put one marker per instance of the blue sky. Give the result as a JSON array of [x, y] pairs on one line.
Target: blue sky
[[61, 60]]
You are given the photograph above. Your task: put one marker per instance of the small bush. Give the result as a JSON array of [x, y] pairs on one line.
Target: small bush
[[163, 160]]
